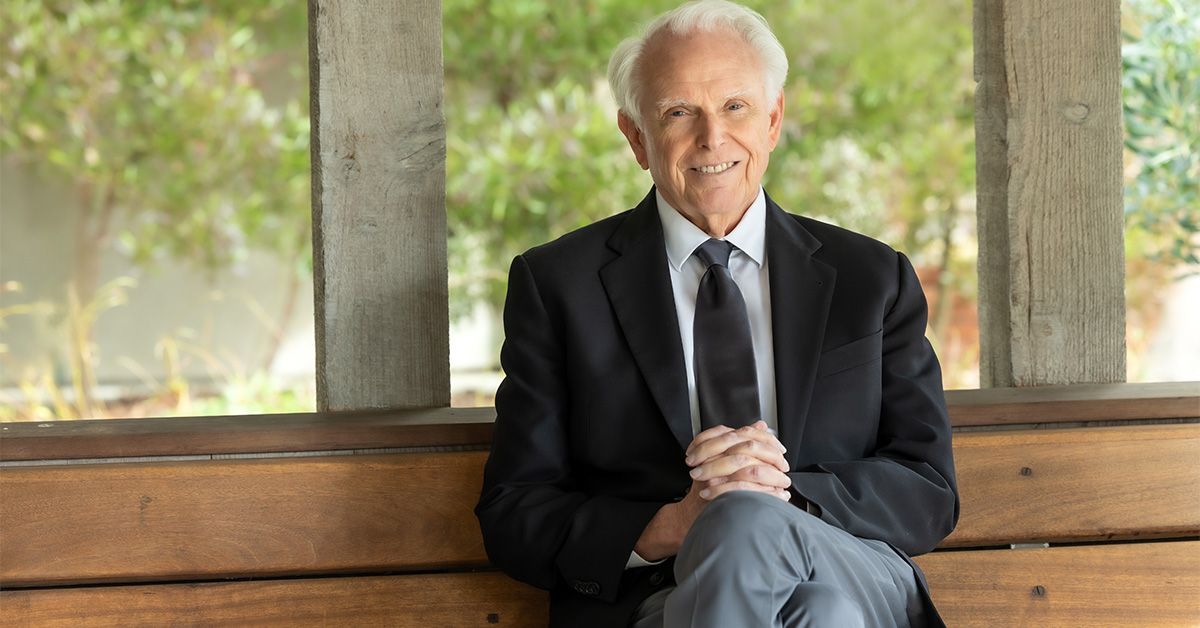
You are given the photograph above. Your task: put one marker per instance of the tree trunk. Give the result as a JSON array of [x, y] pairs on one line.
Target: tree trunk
[[92, 236], [939, 321]]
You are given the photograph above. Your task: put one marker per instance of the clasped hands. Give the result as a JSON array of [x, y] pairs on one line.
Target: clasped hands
[[722, 459]]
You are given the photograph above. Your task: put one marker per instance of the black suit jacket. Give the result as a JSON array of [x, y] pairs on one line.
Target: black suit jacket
[[593, 415]]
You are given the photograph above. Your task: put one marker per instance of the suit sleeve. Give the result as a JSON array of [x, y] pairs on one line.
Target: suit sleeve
[[539, 524], [905, 493]]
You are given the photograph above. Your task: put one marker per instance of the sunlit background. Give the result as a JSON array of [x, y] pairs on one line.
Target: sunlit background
[[155, 231]]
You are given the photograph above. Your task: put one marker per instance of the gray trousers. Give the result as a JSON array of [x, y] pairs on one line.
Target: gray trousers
[[752, 560]]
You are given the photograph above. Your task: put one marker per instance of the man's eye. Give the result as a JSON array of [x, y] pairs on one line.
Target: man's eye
[[676, 113], [734, 106]]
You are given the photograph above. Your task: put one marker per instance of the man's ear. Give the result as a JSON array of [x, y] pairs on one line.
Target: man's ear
[[776, 124], [634, 135]]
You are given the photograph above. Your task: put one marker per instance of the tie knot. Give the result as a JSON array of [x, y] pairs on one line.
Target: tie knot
[[714, 252]]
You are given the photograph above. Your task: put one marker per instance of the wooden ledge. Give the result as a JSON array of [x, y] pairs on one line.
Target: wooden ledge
[[263, 433], [472, 427], [1077, 402]]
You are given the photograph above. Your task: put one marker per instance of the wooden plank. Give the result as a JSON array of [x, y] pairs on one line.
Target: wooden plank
[[379, 211], [1048, 161], [209, 435], [194, 520], [1075, 403], [991, 191], [1140, 584], [415, 601], [1078, 484], [1135, 584], [210, 519], [429, 427]]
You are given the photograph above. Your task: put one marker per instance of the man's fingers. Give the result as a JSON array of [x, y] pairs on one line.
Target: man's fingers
[[759, 474], [765, 452], [730, 464], [722, 466], [707, 435], [716, 442]]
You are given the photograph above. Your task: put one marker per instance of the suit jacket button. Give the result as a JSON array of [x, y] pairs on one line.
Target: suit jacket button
[[585, 588], [656, 578]]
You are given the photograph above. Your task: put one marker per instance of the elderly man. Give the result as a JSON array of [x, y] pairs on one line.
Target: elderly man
[[652, 358]]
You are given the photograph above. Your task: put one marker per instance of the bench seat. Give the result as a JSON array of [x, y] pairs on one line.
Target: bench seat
[[391, 538]]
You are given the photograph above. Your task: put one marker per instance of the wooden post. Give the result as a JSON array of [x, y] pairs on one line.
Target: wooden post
[[379, 219], [1048, 145]]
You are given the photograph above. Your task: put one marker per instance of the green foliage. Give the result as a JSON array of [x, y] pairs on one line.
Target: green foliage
[[878, 132], [533, 149], [1161, 81], [152, 109], [521, 178]]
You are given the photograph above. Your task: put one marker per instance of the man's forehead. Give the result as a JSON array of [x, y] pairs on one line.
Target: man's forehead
[[708, 63]]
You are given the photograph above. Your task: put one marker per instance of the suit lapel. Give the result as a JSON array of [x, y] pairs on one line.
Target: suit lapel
[[801, 291], [638, 285]]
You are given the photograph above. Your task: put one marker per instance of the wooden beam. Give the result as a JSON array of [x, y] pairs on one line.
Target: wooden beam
[[1048, 165], [1081, 484], [1128, 584], [1076, 403], [242, 434], [471, 427], [416, 601], [1140, 584], [210, 519], [379, 218]]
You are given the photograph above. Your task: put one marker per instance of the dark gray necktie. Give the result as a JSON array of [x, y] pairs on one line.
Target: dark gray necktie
[[726, 379]]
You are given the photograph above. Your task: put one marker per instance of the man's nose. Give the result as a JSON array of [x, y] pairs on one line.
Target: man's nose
[[711, 134]]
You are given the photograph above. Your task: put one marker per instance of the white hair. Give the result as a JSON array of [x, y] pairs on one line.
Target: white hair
[[699, 15]]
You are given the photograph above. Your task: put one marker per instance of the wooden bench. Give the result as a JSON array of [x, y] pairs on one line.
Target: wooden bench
[[1105, 519]]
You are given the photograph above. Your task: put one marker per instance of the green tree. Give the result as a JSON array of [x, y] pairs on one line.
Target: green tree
[[533, 150], [154, 113], [1161, 81]]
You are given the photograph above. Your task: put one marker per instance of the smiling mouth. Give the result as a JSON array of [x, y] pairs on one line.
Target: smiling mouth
[[716, 168]]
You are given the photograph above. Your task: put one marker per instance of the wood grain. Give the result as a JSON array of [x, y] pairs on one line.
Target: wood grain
[[1136, 584], [464, 600], [270, 433], [379, 204], [471, 427], [1074, 403], [87, 523], [991, 193], [1049, 146], [209, 519], [1078, 484], [1142, 584]]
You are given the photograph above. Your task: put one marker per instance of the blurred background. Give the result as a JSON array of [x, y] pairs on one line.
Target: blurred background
[[155, 228]]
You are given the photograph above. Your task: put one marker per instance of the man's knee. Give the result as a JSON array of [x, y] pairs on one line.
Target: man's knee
[[817, 604], [750, 510], [745, 517], [738, 503]]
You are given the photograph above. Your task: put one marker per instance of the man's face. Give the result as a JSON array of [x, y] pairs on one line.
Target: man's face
[[708, 128]]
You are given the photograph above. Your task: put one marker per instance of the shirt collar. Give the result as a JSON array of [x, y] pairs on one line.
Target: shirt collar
[[682, 237]]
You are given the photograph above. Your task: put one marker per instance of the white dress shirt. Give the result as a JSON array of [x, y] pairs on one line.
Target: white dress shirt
[[748, 265]]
